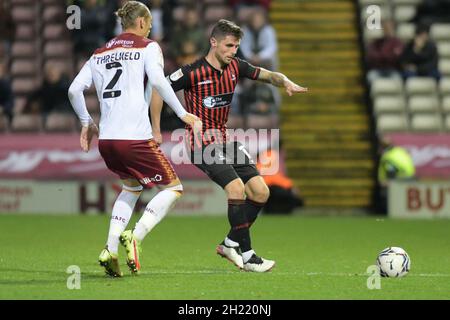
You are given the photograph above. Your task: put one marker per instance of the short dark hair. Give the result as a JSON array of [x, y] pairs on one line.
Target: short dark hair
[[422, 28], [225, 28]]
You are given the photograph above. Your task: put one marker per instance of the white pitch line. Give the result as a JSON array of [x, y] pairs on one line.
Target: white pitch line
[[307, 274]]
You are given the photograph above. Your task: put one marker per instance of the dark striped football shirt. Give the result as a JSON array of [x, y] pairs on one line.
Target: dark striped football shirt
[[208, 93]]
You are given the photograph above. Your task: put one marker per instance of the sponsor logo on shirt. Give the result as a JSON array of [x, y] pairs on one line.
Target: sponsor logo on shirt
[[124, 43], [218, 101], [204, 82], [147, 180]]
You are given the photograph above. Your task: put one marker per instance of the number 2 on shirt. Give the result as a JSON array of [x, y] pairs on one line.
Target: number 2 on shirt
[[112, 83]]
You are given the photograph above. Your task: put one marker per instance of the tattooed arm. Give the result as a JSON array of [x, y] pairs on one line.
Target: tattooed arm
[[280, 80]]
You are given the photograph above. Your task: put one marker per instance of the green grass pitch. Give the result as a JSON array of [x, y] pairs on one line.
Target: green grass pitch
[[317, 258]]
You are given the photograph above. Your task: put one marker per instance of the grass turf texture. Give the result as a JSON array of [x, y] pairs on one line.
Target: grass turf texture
[[317, 258]]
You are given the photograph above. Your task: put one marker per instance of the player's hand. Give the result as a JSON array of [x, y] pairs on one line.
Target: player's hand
[[193, 121], [292, 88], [87, 133], [157, 136]]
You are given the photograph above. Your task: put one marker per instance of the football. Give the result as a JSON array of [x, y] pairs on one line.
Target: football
[[393, 262]]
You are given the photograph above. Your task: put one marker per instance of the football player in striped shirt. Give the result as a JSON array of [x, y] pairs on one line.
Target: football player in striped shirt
[[209, 85]]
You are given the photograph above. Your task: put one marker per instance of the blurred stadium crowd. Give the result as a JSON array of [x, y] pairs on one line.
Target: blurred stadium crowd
[[39, 56], [408, 63]]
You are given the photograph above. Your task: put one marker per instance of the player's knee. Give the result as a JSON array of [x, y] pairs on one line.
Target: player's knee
[[261, 194], [133, 189], [178, 188], [235, 190]]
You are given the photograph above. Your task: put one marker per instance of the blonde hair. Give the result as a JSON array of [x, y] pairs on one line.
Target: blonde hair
[[130, 11]]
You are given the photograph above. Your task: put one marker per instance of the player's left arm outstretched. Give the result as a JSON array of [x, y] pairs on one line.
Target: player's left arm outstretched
[[280, 80]]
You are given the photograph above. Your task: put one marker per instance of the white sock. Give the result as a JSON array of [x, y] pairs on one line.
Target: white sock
[[231, 243], [121, 214], [156, 210], [247, 255]]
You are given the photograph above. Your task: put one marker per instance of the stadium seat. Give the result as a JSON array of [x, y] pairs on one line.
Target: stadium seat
[[389, 104], [420, 85], [444, 49], [406, 2], [445, 104], [444, 86], [19, 104], [26, 123], [4, 126], [404, 13], [60, 122], [426, 122], [405, 31], [22, 14], [59, 49], [53, 31], [444, 67], [52, 13], [215, 13], [365, 3], [23, 67], [440, 31], [23, 85], [25, 31], [22, 2], [23, 49], [447, 123], [392, 123], [383, 86], [423, 104]]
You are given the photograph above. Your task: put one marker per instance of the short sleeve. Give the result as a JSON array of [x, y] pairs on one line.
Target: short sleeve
[[247, 70], [180, 79]]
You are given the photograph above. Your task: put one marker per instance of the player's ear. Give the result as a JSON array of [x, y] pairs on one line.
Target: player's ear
[[140, 22], [213, 42]]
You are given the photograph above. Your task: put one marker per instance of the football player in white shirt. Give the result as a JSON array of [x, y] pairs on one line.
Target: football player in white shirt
[[125, 135]]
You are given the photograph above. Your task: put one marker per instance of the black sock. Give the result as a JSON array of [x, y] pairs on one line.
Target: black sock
[[239, 225], [252, 209]]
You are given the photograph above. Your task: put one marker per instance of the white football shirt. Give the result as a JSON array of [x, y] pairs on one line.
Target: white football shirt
[[124, 72]]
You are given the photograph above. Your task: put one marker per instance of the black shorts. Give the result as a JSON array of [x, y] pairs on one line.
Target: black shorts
[[225, 163]]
